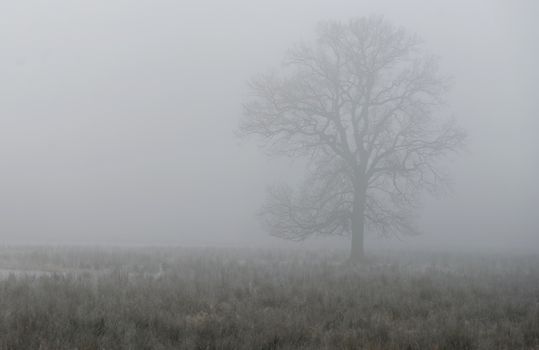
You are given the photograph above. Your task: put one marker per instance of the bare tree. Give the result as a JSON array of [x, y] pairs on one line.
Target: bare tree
[[360, 104]]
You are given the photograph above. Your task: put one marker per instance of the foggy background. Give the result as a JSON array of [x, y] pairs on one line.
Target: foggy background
[[117, 118]]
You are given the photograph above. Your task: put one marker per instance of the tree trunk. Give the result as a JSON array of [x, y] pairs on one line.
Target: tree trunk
[[357, 252]]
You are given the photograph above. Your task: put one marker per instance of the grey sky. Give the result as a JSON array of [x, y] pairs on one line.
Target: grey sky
[[118, 117]]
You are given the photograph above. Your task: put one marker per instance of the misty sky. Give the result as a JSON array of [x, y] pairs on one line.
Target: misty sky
[[118, 117]]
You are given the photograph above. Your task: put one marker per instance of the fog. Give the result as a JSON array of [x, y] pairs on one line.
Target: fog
[[118, 119]]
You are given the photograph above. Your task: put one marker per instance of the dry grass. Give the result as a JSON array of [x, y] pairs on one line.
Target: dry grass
[[247, 299]]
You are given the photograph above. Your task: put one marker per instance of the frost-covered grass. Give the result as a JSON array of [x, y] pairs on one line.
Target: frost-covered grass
[[153, 298]]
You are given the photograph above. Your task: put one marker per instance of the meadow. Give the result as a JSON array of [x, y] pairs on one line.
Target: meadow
[[224, 298]]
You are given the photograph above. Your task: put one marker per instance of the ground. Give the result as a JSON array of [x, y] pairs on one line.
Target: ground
[[187, 298]]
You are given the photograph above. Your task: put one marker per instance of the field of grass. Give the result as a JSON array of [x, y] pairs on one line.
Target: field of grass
[[157, 298]]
